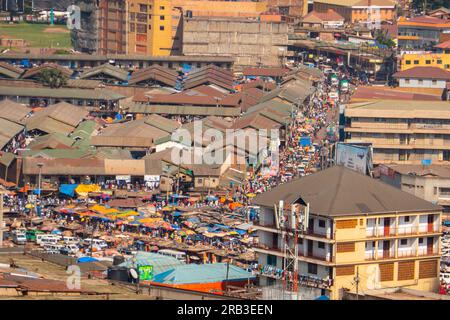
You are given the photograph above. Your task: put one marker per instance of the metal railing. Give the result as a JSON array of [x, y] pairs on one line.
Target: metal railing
[[396, 231]]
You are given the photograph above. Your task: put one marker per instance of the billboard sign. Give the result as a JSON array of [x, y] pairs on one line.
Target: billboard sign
[[145, 273], [355, 157]]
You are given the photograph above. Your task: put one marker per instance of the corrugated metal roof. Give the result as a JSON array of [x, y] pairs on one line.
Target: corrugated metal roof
[[10, 71], [8, 130], [157, 73], [119, 166], [46, 66], [62, 117], [64, 167], [13, 111], [160, 263], [106, 69], [119, 57], [60, 93], [186, 110], [203, 273]]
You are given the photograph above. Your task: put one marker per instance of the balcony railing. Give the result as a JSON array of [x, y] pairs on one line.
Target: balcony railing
[[370, 255], [414, 230], [406, 253], [427, 251]]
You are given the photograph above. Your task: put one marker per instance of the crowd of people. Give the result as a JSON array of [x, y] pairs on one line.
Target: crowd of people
[[301, 154]]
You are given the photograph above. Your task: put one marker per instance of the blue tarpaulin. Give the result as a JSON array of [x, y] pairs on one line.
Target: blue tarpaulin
[[305, 141], [86, 259], [68, 189], [186, 67]]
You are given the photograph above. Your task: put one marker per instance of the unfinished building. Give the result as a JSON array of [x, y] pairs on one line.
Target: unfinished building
[[249, 41], [103, 28]]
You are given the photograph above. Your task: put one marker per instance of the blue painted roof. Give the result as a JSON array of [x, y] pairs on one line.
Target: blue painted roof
[[202, 273], [159, 262]]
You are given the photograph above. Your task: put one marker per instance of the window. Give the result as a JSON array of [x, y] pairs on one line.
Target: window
[[321, 223], [407, 219], [161, 8], [434, 82], [420, 240], [444, 191], [406, 80], [161, 28], [403, 242], [200, 180], [408, 61], [300, 240], [141, 28], [435, 190], [416, 61], [143, 8], [321, 245], [439, 61], [312, 268], [427, 61]]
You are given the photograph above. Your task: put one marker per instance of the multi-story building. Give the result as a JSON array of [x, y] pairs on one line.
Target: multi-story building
[[151, 28], [250, 42], [401, 131], [437, 60], [372, 11], [357, 226], [293, 8], [420, 32], [423, 77], [148, 27], [431, 182]]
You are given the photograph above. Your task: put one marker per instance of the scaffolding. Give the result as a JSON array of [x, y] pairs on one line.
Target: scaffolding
[[292, 221]]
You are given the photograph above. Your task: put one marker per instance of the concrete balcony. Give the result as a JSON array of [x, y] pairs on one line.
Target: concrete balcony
[[402, 231]]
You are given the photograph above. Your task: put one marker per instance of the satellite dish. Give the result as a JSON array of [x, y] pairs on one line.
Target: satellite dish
[[134, 274]]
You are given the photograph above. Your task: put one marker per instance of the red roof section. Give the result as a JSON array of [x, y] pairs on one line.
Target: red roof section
[[424, 72], [443, 45], [427, 19], [330, 15], [387, 93], [265, 72]]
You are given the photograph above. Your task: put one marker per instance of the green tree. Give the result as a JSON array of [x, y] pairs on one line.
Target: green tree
[[52, 78], [382, 38]]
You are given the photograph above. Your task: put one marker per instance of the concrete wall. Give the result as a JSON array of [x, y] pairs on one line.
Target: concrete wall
[[426, 83], [250, 42]]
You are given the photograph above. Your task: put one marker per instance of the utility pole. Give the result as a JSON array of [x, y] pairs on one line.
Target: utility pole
[[356, 279]]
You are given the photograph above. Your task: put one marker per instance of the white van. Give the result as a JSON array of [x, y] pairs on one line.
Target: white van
[[19, 238], [53, 248], [43, 239], [181, 256], [95, 243], [70, 249], [71, 240]]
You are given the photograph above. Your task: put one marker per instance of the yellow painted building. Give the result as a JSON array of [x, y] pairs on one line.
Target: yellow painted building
[[438, 60], [154, 26], [357, 227], [150, 27]]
